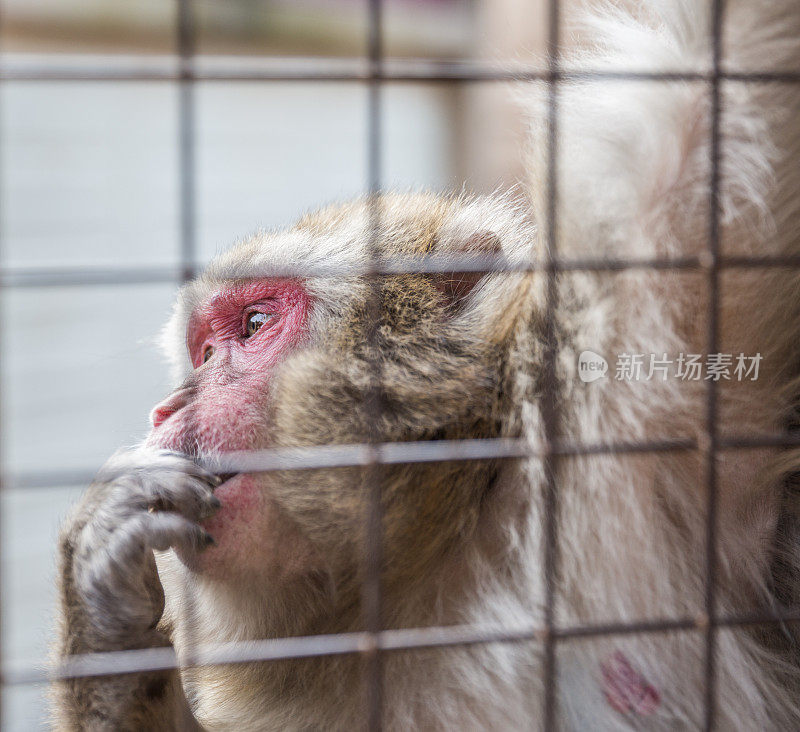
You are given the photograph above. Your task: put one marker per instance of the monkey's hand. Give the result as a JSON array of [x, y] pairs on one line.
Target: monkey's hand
[[111, 596]]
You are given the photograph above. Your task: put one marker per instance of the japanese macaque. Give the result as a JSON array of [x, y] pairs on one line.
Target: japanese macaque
[[162, 552]]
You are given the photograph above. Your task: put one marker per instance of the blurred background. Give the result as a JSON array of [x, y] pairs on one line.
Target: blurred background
[[90, 178]]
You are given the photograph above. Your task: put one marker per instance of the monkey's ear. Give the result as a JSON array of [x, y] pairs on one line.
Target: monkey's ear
[[456, 286]]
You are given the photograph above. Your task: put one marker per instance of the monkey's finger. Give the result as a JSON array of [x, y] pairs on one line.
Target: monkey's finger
[[153, 462], [191, 497], [185, 464], [170, 530], [159, 531]]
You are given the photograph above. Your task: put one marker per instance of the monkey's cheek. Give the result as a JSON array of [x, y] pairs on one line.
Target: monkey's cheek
[[241, 499], [239, 519], [254, 539], [235, 528]]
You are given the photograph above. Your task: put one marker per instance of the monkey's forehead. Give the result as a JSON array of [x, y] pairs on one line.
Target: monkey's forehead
[[340, 237], [343, 234]]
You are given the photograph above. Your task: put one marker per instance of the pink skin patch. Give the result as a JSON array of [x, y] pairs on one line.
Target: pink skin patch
[[625, 689], [221, 323], [223, 406]]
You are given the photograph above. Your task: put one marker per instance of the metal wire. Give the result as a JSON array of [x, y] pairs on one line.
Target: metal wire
[[549, 387], [30, 277], [712, 340], [121, 68], [372, 593], [2, 396], [186, 141], [375, 70], [393, 453], [185, 42], [22, 672]]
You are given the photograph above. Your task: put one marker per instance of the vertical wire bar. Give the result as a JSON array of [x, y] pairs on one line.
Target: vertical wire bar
[[186, 173], [711, 393], [549, 381], [371, 591], [2, 372], [186, 139]]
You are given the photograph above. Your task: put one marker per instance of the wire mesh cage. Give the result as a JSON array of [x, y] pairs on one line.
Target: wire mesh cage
[[376, 71]]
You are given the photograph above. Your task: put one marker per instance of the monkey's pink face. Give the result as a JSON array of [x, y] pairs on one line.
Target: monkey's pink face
[[236, 338]]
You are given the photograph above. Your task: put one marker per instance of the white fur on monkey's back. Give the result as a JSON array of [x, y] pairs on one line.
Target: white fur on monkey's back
[[633, 182], [633, 176]]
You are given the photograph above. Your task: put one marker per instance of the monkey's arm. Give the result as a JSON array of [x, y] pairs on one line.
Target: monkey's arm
[[110, 594]]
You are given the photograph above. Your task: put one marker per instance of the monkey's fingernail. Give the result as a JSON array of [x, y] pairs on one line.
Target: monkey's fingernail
[[208, 540], [215, 502]]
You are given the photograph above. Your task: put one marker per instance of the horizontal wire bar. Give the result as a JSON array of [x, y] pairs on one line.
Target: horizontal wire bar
[[363, 454], [17, 672], [742, 442], [95, 67], [745, 261], [394, 453], [23, 277], [87, 276]]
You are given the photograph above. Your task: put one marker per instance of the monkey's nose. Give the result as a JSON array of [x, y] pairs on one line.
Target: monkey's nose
[[173, 403]]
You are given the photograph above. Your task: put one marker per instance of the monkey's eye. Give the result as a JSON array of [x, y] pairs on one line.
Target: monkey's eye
[[254, 321], [208, 353]]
